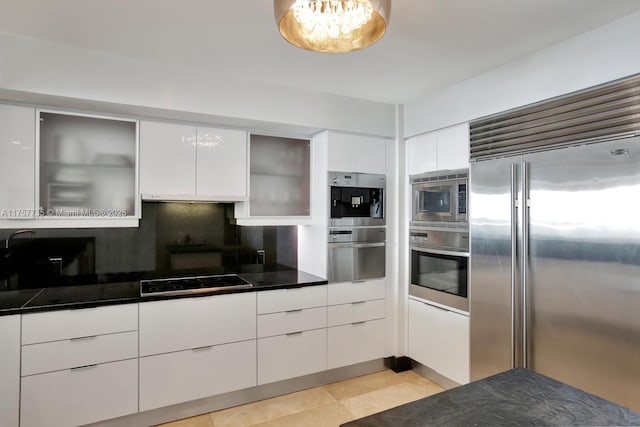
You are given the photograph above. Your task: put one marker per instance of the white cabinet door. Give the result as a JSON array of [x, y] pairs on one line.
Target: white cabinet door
[[446, 148], [292, 299], [9, 370], [86, 322], [439, 339], [190, 323], [80, 396], [291, 355], [422, 153], [17, 161], [453, 147], [355, 343], [356, 153], [348, 292], [221, 165], [167, 159], [355, 312], [73, 353], [291, 321], [182, 376]]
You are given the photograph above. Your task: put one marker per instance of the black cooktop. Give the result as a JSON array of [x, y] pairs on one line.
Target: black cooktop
[[191, 285]]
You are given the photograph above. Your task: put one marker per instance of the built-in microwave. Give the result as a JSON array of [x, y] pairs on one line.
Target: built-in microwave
[[439, 261], [439, 196]]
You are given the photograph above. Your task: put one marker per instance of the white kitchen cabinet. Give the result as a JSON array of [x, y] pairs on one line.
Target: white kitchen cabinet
[[79, 366], [80, 396], [87, 322], [292, 355], [439, 339], [360, 290], [182, 376], [446, 148], [87, 166], [354, 312], [292, 327], [356, 153], [292, 299], [167, 159], [188, 323], [355, 343], [17, 162], [291, 321], [9, 370], [355, 316], [184, 162], [221, 163], [280, 182]]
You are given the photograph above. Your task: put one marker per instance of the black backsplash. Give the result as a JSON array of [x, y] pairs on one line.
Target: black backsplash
[[173, 239]]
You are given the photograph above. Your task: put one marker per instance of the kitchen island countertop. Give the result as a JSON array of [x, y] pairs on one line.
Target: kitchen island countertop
[[518, 397]]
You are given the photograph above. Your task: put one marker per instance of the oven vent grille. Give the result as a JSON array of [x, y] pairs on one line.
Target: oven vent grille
[[608, 110], [439, 176]]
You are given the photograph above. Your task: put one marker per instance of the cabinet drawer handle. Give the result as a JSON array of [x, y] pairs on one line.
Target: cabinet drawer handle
[[290, 334], [358, 302], [358, 281], [90, 337], [82, 368], [294, 311], [206, 347], [359, 323]]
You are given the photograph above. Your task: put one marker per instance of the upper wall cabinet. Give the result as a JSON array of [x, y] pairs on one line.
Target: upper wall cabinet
[[280, 181], [446, 148], [356, 153], [87, 166], [183, 162], [17, 162]]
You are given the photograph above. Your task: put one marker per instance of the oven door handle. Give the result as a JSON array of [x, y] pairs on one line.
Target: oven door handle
[[440, 251], [356, 245]]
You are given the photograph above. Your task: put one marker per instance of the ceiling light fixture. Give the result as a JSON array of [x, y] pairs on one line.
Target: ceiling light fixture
[[332, 26]]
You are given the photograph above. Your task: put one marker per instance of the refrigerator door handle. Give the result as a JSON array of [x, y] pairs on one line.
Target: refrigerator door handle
[[514, 260], [525, 260]]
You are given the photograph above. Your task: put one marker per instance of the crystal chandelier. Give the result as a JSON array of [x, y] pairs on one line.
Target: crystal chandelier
[[332, 26]]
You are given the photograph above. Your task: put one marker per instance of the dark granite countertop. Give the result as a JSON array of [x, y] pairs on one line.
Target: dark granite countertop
[[518, 397], [85, 296]]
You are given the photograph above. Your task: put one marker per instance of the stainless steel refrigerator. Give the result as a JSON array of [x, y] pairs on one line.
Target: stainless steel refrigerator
[[555, 266]]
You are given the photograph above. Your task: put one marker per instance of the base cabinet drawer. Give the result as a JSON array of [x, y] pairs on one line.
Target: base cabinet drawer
[[66, 324], [348, 292], [355, 312], [292, 355], [182, 376], [355, 343], [292, 299], [58, 355], [80, 396], [291, 321]]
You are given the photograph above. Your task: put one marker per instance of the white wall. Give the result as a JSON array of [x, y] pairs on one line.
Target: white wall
[[46, 68], [604, 54]]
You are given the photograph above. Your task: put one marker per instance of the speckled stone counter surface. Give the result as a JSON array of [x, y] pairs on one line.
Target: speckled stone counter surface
[[518, 397]]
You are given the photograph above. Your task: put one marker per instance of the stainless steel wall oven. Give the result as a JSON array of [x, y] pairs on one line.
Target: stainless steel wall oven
[[356, 237], [439, 266]]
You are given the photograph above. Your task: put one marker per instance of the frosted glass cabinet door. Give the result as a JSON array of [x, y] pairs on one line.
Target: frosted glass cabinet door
[[167, 158], [17, 161], [87, 165], [280, 176], [221, 163]]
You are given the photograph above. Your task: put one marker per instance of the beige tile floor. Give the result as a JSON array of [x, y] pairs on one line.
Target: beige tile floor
[[327, 406]]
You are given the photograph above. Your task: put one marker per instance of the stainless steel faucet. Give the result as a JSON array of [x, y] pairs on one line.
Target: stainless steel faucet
[[12, 235]]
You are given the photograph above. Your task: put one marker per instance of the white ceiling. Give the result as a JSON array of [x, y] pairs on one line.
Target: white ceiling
[[429, 44]]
